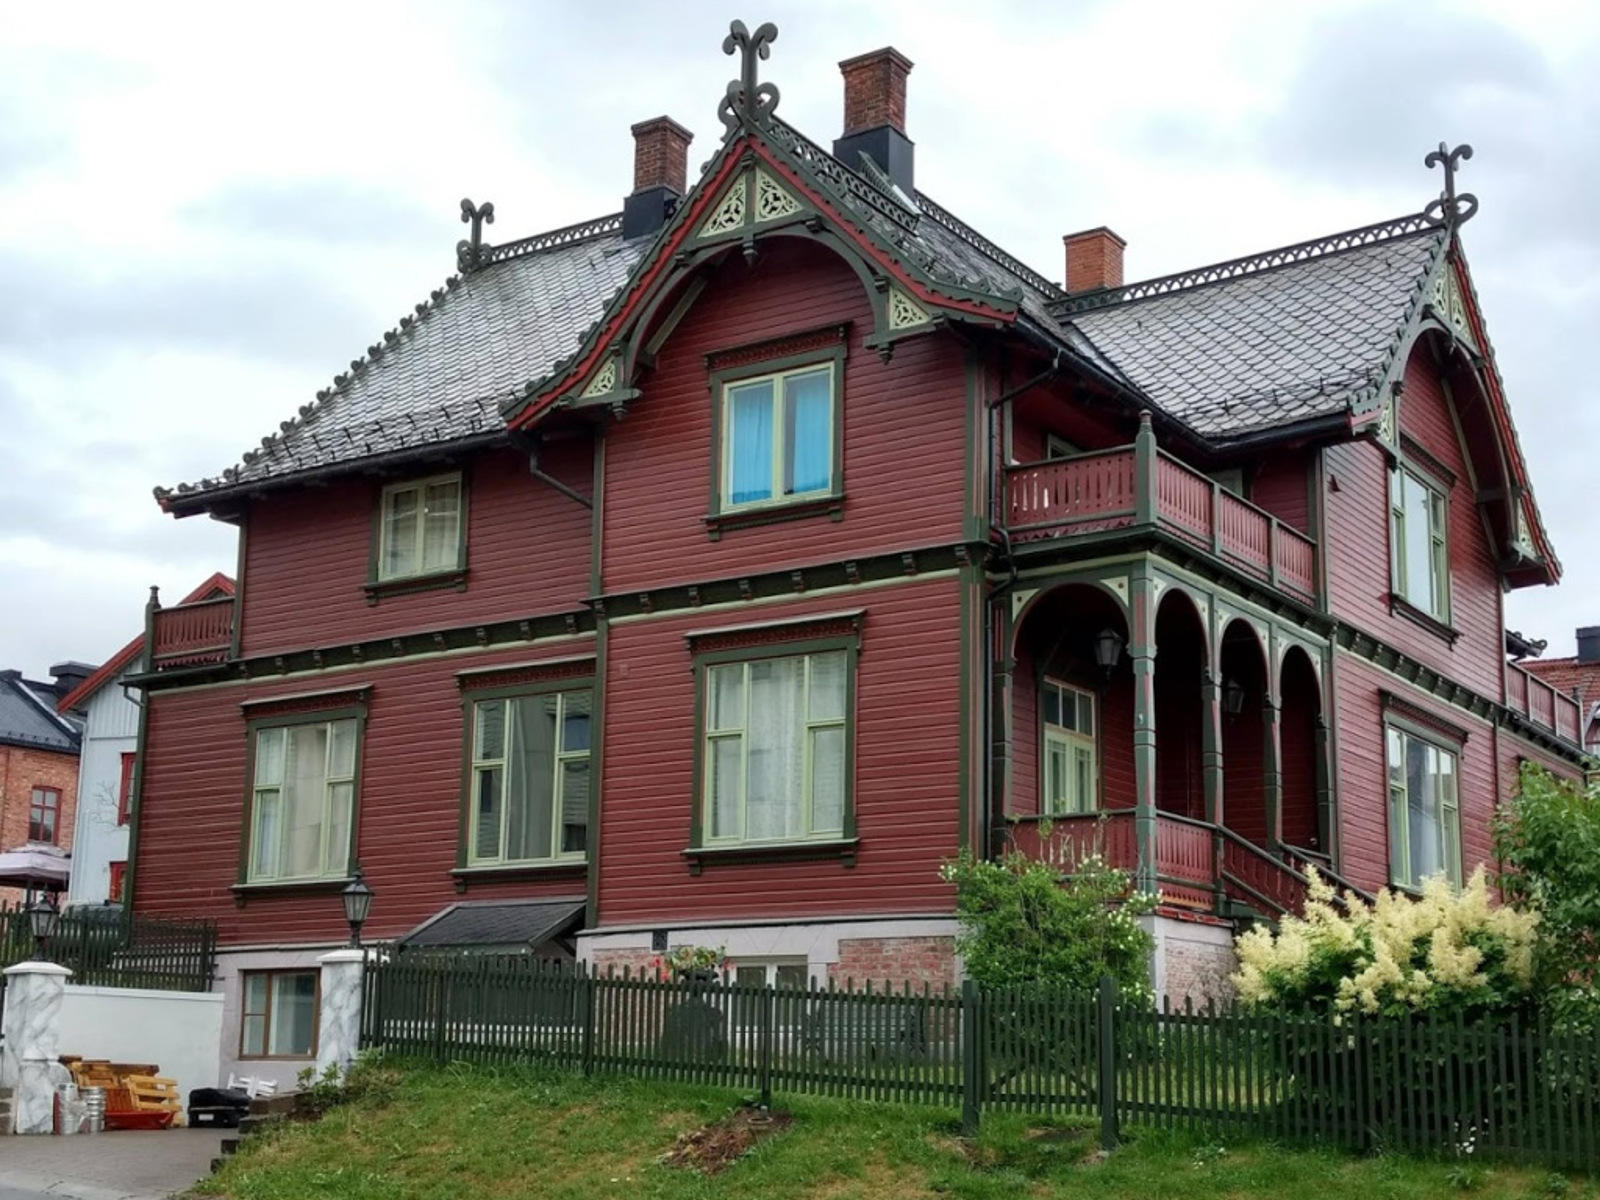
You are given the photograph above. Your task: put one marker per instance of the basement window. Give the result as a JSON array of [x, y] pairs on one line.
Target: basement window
[[279, 1014]]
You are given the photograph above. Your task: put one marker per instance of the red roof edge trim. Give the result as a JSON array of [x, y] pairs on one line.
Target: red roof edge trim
[[218, 585]]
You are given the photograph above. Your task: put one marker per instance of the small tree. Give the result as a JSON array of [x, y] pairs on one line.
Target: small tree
[[1023, 922], [1547, 839]]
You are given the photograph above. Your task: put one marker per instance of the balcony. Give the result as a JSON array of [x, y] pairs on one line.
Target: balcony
[[191, 635], [1141, 486], [1543, 705]]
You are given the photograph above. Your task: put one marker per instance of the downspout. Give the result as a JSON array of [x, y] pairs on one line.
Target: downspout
[[564, 489]]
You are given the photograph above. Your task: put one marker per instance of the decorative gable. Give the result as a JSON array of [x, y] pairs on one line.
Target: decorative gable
[[755, 198], [1448, 305]]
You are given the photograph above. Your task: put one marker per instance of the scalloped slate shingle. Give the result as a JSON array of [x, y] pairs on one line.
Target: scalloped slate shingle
[[1270, 348]]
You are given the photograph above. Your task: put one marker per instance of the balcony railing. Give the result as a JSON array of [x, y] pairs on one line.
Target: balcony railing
[[1543, 705], [191, 635], [1091, 493]]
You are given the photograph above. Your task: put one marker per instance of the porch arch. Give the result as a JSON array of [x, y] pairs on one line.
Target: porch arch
[[1305, 816], [1182, 652], [1245, 698]]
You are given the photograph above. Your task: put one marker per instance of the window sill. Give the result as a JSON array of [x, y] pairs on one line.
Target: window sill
[[466, 876], [291, 887], [843, 849], [1399, 606], [378, 589], [770, 514]]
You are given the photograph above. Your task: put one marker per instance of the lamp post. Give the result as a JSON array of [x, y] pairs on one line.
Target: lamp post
[[42, 918], [1107, 650], [357, 897]]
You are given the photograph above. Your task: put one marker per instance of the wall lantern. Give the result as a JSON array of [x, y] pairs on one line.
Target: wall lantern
[[357, 899], [42, 918], [1232, 697], [1107, 650]]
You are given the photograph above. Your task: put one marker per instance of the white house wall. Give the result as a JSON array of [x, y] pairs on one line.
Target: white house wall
[[111, 729]]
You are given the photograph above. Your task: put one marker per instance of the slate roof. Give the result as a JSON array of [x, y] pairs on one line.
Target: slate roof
[[1270, 341], [498, 923], [28, 717]]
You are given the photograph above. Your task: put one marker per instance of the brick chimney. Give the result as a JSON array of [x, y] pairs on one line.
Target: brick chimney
[[660, 175], [1094, 260], [875, 114], [1589, 644]]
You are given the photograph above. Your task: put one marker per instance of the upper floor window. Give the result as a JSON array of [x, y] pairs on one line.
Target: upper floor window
[[125, 787], [530, 778], [420, 528], [1424, 812], [1418, 546], [1071, 777], [302, 801], [118, 880], [775, 760], [44, 815], [778, 436]]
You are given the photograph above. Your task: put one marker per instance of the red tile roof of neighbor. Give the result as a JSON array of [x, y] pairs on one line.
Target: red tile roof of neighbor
[[218, 585]]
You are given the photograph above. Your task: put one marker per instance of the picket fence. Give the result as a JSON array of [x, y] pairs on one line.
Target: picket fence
[[1512, 1090], [109, 947]]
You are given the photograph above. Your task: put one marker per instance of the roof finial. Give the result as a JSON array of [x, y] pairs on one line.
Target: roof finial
[[470, 253], [1450, 210], [747, 102]]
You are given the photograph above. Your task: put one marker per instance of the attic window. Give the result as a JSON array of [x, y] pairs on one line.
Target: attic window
[[420, 529]]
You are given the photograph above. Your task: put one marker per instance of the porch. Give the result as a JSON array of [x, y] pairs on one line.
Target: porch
[[1172, 731], [189, 635]]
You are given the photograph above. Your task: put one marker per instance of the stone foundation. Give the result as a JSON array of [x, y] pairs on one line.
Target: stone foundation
[[1194, 958], [897, 962], [634, 962]]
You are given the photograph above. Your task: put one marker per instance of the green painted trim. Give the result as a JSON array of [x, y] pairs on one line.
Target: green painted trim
[[974, 475], [969, 607], [454, 579], [843, 849], [718, 381], [237, 638], [597, 755], [597, 518], [141, 745], [702, 659], [830, 506], [321, 716]]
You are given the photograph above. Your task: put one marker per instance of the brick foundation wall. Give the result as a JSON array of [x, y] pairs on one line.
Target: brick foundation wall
[[1194, 960], [897, 961], [21, 770], [635, 962]]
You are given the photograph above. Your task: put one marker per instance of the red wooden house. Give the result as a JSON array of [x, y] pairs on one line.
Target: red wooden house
[[710, 572]]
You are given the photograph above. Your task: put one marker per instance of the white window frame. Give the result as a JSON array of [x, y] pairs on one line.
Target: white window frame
[[562, 759], [1057, 447], [382, 571], [335, 860], [1437, 515], [1074, 745], [779, 437], [709, 738], [1448, 808]]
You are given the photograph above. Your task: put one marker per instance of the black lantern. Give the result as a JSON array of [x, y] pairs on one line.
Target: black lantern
[[357, 899], [1108, 650], [1232, 697], [42, 917]]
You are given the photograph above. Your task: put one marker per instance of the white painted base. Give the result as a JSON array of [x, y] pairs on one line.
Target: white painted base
[[1192, 959]]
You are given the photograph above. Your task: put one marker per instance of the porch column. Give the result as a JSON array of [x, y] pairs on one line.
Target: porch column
[[34, 993], [1003, 716], [1272, 770], [1325, 822], [1142, 653], [1211, 769]]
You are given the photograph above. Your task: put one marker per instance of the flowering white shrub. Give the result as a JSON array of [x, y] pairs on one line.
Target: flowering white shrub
[[1445, 951]]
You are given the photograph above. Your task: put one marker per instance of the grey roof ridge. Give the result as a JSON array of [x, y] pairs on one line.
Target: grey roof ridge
[[555, 239], [944, 217], [1252, 264], [49, 711]]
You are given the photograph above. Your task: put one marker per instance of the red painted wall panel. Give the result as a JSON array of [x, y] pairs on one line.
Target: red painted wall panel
[[906, 769], [1358, 545], [307, 556], [904, 436], [191, 808], [1281, 484]]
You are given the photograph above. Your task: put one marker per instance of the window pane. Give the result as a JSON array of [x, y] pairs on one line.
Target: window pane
[[294, 998], [791, 975], [1086, 714], [1417, 586], [1422, 812], [808, 401], [254, 1040], [1052, 704], [530, 777], [827, 686], [574, 805], [269, 757], [441, 526], [305, 781], [1083, 793], [575, 721], [255, 994], [773, 803], [827, 780], [727, 697], [1055, 775], [341, 800], [491, 730], [400, 534], [265, 834], [727, 787], [486, 812], [750, 442], [342, 756]]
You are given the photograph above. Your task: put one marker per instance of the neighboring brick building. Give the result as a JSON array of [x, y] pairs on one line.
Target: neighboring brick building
[[38, 762]]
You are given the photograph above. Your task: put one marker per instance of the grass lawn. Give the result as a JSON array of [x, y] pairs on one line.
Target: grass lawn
[[452, 1133]]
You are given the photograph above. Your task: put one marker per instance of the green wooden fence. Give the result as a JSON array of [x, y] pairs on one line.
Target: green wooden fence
[[1514, 1089], [109, 947]]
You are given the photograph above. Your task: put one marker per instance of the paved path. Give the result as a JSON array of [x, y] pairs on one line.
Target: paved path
[[106, 1166]]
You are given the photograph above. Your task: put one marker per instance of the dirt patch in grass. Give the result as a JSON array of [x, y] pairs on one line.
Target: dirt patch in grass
[[713, 1148]]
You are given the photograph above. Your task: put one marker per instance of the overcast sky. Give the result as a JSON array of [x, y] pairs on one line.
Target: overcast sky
[[207, 211]]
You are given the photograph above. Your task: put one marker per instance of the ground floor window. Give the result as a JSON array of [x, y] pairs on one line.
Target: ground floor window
[[279, 1014], [1424, 812]]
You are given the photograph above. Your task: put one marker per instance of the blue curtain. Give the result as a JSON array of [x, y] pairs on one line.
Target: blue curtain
[[750, 443], [809, 404]]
